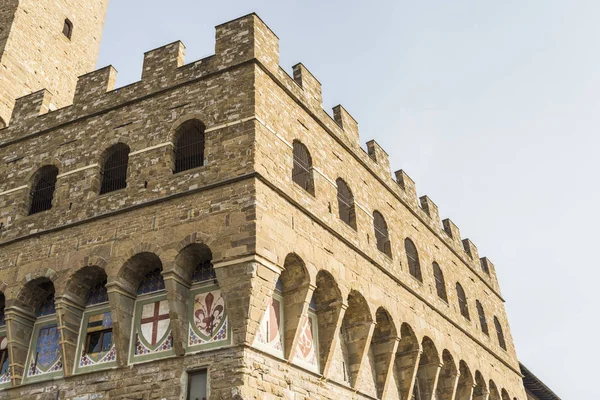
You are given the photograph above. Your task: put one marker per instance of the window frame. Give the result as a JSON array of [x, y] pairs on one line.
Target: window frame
[[346, 204], [414, 267], [306, 165], [199, 371], [43, 173], [440, 284], [463, 305], [178, 165], [482, 320], [91, 311], [122, 169], [500, 334], [68, 29], [383, 242]]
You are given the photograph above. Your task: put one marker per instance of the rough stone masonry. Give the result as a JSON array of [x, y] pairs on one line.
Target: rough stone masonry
[[249, 275]]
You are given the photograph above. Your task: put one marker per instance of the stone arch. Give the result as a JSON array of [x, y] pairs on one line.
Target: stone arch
[[78, 286], [136, 267], [71, 302], [296, 293], [407, 359], [448, 378], [188, 259], [466, 382], [504, 394], [494, 394], [427, 371], [383, 349], [328, 306], [480, 391], [54, 161], [36, 297], [143, 247], [182, 120], [355, 334]]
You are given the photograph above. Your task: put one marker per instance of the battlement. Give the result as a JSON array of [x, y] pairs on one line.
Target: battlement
[[238, 42]]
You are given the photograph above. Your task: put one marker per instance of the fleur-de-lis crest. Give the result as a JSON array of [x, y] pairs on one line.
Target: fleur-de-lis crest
[[209, 312]]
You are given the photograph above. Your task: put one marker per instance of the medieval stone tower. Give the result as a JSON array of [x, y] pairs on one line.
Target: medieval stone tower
[[211, 232], [46, 44]]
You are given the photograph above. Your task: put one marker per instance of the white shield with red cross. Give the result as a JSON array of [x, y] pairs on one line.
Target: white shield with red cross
[[154, 324]]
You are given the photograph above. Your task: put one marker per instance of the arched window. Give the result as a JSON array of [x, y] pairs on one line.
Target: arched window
[[302, 173], [346, 203], [189, 146], [501, 341], [440, 283], [68, 29], [413, 259], [462, 301], [44, 360], [482, 321], [96, 348], [114, 169], [381, 234], [43, 188]]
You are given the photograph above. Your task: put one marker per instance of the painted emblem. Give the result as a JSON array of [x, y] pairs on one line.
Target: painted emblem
[[155, 322]]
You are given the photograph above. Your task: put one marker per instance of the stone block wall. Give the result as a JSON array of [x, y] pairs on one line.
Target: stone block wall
[[380, 330]]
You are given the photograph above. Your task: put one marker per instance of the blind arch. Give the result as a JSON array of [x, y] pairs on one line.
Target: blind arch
[[42, 191]]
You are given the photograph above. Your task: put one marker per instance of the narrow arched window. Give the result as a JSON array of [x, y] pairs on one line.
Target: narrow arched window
[[413, 259], [462, 301], [43, 188], [68, 29], [501, 341], [189, 146], [482, 320], [114, 169], [346, 203], [302, 173], [440, 284], [381, 234]]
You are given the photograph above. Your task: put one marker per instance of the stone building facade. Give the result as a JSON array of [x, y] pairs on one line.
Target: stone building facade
[[211, 231]]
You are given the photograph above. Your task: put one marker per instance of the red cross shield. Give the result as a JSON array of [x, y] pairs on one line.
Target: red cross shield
[[155, 321]]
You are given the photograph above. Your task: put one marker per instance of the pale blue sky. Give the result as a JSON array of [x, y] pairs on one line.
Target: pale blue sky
[[490, 106]]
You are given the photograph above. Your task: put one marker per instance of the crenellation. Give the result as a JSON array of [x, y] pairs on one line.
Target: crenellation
[[93, 85], [431, 209], [470, 249], [408, 185], [347, 123], [161, 63], [452, 230], [380, 156], [310, 84], [31, 106]]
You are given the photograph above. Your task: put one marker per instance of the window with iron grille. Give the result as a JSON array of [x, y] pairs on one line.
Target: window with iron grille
[[302, 173], [462, 301], [114, 169], [413, 259], [198, 385], [189, 146], [440, 284], [68, 29], [482, 320], [501, 341], [382, 236], [346, 203], [43, 188]]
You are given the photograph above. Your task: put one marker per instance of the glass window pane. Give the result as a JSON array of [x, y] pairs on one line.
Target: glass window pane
[[198, 385], [93, 343], [106, 340]]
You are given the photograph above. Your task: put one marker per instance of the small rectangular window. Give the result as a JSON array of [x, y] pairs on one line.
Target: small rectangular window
[[198, 385], [98, 341]]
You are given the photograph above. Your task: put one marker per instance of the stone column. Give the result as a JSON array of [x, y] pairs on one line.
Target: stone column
[[406, 365], [178, 294], [448, 386], [330, 322], [428, 375], [68, 314], [121, 308], [295, 311], [359, 338], [19, 327], [385, 353]]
